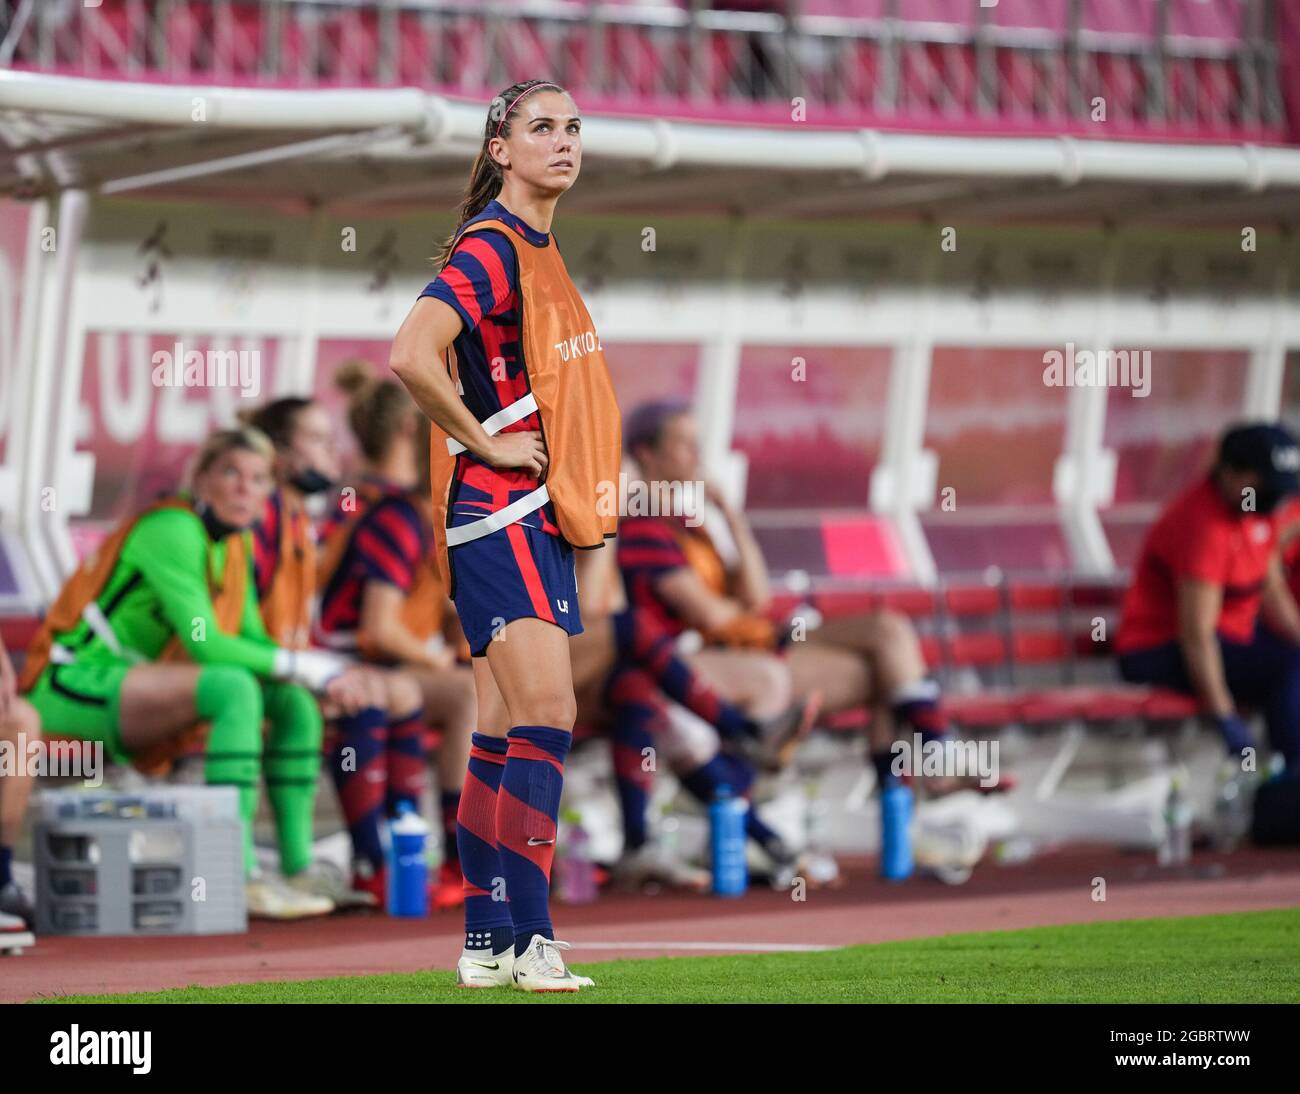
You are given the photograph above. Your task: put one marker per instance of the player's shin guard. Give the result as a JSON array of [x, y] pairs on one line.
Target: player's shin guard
[[528, 808], [359, 766], [487, 915]]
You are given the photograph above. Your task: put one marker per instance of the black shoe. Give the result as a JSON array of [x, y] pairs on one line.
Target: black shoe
[[13, 901]]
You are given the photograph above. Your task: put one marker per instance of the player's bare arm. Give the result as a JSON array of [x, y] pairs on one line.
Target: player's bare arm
[[1199, 603], [429, 328], [750, 581], [699, 606]]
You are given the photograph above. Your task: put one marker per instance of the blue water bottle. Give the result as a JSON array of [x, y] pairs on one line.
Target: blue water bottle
[[896, 832], [727, 843], [408, 874]]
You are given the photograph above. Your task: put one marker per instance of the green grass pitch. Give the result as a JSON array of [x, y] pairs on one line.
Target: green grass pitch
[[1248, 957]]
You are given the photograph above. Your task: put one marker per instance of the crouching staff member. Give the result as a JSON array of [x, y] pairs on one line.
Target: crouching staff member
[[1207, 572], [176, 576]]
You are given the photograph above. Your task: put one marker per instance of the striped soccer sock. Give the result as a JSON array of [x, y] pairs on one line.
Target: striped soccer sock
[[408, 767], [636, 707], [528, 809], [360, 771], [643, 643], [487, 915]]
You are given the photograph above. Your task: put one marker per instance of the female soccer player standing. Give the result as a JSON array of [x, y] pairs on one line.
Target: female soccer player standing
[[521, 462]]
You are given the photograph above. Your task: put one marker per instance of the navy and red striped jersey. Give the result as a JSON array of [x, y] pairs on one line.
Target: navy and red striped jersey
[[647, 549], [351, 504], [388, 544], [266, 544], [480, 281]]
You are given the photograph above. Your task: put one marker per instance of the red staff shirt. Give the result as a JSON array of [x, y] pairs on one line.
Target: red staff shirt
[[1198, 536]]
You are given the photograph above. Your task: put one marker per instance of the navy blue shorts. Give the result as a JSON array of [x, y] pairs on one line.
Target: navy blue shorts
[[514, 573], [1263, 673]]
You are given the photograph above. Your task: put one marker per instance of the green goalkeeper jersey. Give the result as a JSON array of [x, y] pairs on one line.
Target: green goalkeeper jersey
[[160, 588]]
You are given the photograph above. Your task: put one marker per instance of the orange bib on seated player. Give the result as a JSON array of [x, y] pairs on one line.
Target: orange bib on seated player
[[87, 581], [286, 608], [83, 588], [750, 631], [574, 400]]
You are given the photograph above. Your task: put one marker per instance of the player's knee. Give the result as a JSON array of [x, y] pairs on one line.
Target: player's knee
[[546, 709], [229, 691], [402, 693], [891, 628]]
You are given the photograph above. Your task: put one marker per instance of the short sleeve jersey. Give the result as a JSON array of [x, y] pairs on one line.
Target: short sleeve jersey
[[480, 282], [647, 550], [388, 544], [1198, 536]]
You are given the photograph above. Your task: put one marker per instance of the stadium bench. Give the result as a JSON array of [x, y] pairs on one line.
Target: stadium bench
[[1013, 652]]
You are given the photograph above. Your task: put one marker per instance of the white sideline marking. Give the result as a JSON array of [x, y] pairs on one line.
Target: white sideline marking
[[756, 947]]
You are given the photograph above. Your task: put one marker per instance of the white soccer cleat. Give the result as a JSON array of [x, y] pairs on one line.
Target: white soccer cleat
[[541, 968], [484, 969], [268, 899]]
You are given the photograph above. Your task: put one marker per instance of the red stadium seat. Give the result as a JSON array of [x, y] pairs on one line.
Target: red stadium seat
[[1039, 647], [1029, 597], [971, 600], [932, 650], [18, 631], [915, 603], [974, 650], [841, 604], [1025, 624]]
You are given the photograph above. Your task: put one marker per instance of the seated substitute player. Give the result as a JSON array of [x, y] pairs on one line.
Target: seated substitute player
[[625, 673], [383, 600], [285, 568], [20, 728], [1208, 579], [675, 573], [160, 629]]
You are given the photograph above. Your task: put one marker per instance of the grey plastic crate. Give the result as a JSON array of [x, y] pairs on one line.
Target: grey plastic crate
[[161, 861]]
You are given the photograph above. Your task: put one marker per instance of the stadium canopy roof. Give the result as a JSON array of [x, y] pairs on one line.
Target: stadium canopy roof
[[403, 149]]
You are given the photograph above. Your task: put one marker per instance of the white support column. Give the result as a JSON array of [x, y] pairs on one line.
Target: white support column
[[54, 462], [1267, 370], [1084, 477], [20, 422], [719, 379], [906, 477], [304, 367], [21, 456]]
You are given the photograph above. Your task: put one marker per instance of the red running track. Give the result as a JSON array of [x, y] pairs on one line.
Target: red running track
[[1054, 889]]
